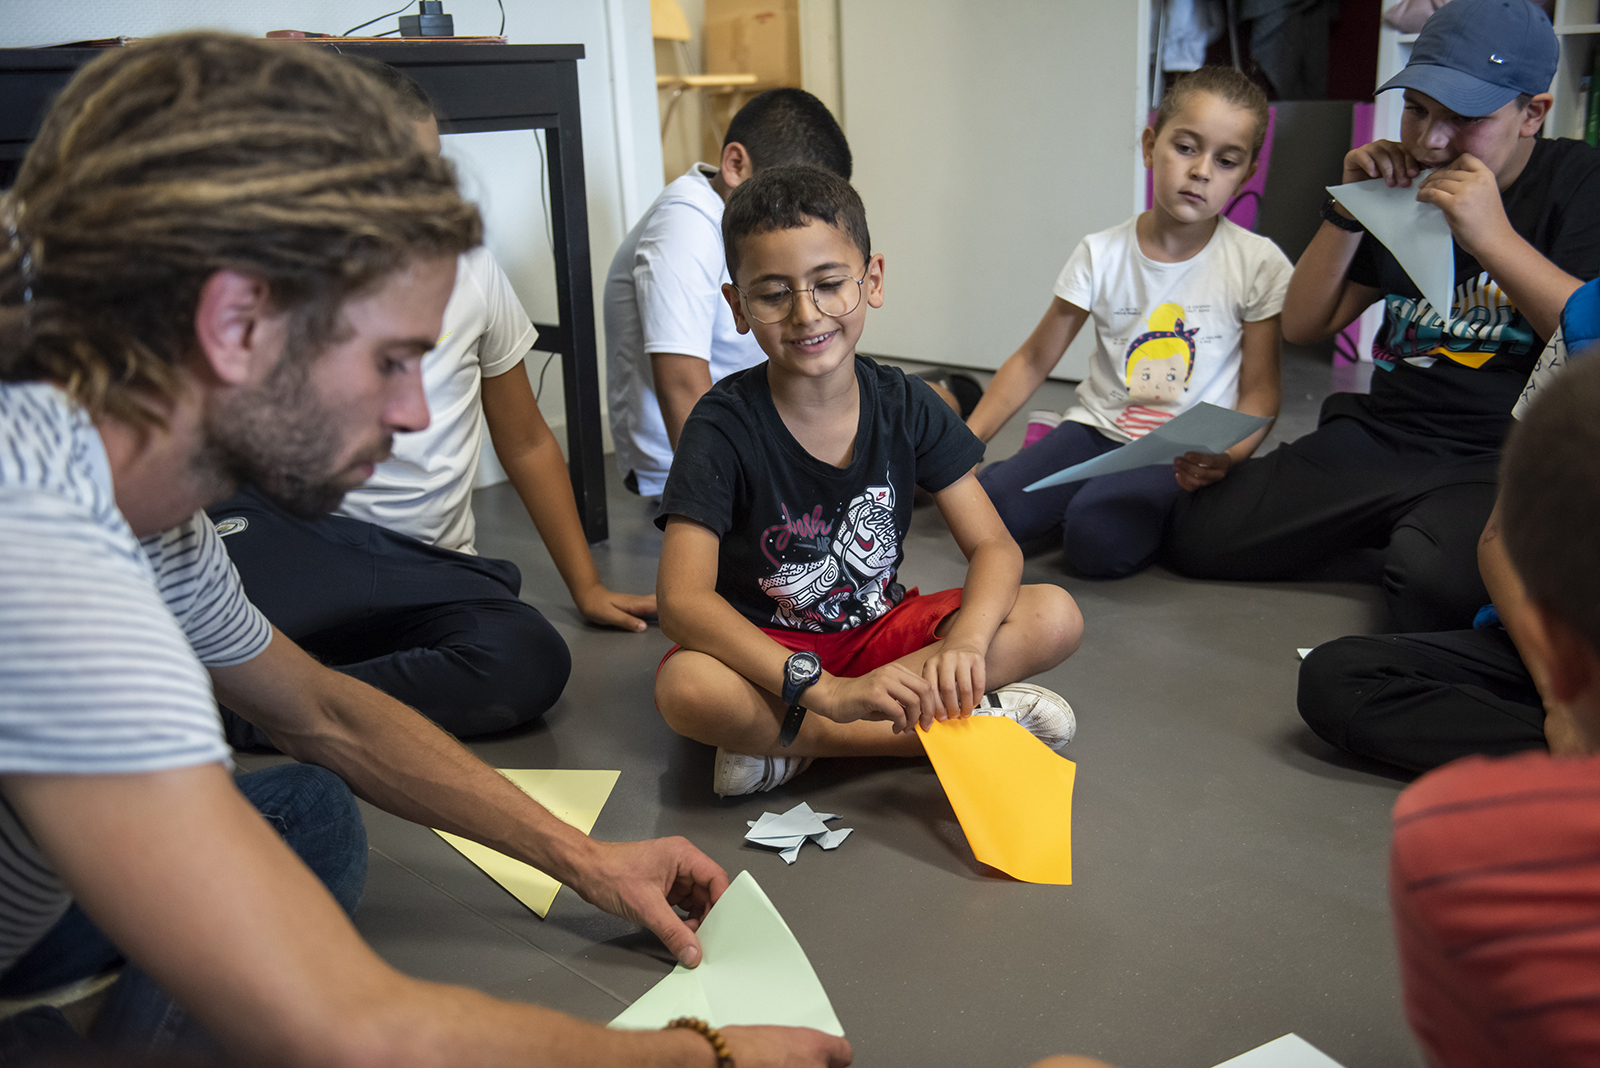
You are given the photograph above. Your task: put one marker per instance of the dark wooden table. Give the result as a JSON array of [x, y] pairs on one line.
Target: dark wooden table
[[478, 87]]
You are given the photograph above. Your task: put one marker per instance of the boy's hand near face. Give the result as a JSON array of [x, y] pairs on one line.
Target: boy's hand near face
[[1388, 160], [1469, 195]]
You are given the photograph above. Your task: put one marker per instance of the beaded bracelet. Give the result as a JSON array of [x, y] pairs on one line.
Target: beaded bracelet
[[719, 1045]]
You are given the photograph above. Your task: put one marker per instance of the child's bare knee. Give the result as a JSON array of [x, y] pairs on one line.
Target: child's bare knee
[[699, 696], [1052, 614], [682, 694]]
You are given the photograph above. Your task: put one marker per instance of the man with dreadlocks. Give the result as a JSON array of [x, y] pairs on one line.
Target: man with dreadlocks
[[221, 264]]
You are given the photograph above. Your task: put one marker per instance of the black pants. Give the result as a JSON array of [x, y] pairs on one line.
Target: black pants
[[442, 631], [1420, 700], [1349, 485]]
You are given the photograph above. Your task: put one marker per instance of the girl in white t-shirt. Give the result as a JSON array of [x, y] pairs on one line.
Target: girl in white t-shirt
[[1185, 306]]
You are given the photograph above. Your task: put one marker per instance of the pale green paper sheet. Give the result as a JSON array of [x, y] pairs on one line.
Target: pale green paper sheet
[[1416, 234], [1290, 1051], [753, 972]]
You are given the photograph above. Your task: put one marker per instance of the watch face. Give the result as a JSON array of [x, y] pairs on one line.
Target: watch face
[[804, 667]]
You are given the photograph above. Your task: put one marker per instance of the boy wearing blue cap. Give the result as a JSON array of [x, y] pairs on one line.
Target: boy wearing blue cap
[[1410, 468]]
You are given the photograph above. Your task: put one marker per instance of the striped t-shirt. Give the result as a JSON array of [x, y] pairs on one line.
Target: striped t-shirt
[[1495, 885], [104, 640]]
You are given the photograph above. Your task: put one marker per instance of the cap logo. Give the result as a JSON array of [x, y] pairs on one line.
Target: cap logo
[[1495, 59]]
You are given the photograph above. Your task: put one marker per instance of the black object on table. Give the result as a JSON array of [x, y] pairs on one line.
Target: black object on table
[[480, 87]]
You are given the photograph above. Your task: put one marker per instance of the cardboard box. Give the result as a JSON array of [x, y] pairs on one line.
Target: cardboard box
[[745, 37]]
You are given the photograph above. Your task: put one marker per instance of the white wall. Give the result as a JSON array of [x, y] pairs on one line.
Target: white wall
[[988, 139], [621, 151]]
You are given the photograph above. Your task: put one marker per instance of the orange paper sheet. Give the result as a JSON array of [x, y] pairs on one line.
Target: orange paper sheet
[[1012, 795]]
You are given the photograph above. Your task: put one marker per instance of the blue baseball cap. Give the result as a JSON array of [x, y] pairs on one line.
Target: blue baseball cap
[[1476, 56]]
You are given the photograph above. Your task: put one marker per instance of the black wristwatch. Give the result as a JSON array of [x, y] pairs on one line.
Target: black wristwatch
[[801, 670], [1330, 213]]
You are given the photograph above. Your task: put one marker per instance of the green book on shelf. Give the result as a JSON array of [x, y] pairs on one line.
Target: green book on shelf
[[1591, 124]]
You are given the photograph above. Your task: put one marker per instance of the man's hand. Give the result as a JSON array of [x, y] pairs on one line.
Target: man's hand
[[607, 608], [957, 675], [786, 1047], [1381, 159], [893, 692], [644, 881], [1469, 195], [1196, 469]]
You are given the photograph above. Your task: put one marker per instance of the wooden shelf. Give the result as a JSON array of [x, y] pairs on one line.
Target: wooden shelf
[[703, 81]]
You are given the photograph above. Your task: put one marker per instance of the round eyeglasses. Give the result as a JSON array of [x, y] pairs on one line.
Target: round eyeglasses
[[773, 302]]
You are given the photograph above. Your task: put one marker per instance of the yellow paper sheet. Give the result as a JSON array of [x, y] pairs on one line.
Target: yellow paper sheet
[[574, 797], [1012, 795]]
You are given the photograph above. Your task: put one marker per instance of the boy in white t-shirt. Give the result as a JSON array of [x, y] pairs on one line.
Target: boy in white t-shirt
[[1185, 306], [669, 333], [391, 590]]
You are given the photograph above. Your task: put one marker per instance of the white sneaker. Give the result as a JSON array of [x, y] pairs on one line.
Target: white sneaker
[[1043, 713], [737, 773]]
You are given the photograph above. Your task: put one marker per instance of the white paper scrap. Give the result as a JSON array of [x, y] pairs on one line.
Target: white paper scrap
[[789, 831], [1415, 233], [1305, 651], [1207, 428], [1290, 1051]]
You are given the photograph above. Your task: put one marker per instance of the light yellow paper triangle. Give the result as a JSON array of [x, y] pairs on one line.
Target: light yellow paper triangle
[[574, 797]]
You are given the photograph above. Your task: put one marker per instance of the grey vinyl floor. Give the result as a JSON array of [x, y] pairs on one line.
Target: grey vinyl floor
[[1229, 867]]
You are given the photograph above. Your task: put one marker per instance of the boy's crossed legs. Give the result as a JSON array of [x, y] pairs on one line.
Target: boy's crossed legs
[[704, 699]]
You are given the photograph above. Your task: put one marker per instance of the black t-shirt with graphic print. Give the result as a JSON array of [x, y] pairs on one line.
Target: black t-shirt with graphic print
[[805, 545], [1460, 383]]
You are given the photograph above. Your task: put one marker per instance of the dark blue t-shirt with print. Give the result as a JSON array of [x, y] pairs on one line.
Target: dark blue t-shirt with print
[[806, 545]]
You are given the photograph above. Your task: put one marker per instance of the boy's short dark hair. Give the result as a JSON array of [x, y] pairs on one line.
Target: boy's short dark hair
[[787, 198], [1226, 84], [786, 126], [412, 99], [1550, 498]]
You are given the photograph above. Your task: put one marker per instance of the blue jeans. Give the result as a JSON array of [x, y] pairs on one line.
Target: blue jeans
[[1109, 527], [315, 813]]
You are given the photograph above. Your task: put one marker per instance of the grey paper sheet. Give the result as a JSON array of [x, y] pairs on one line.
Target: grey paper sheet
[[1204, 428], [1415, 233]]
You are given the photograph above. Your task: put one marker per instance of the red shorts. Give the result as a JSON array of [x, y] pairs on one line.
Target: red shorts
[[905, 628]]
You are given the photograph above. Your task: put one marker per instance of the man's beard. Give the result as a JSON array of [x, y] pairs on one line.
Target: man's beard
[[280, 438]]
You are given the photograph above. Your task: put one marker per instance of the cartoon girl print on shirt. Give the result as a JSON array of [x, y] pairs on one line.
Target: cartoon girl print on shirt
[[1157, 370], [837, 583]]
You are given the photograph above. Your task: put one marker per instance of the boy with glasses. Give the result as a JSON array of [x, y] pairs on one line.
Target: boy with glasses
[[785, 514]]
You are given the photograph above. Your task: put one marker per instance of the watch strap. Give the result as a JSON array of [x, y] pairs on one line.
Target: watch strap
[[791, 725], [1330, 213]]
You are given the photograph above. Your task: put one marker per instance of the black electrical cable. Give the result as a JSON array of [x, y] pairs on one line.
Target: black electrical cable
[[537, 392], [369, 22], [502, 4], [544, 191]]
